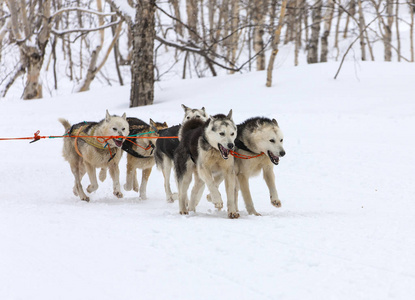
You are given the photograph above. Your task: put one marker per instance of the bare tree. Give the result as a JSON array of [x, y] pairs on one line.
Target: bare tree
[[328, 17], [142, 68], [312, 56]]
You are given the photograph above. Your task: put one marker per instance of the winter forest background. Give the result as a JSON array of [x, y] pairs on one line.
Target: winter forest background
[[50, 47]]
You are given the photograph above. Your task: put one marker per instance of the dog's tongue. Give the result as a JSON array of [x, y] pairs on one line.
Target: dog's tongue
[[274, 159], [118, 142], [223, 151]]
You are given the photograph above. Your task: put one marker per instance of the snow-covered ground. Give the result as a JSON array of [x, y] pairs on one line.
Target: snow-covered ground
[[347, 184]]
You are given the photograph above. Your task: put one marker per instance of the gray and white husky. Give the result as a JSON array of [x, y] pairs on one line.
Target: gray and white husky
[[255, 136], [85, 154], [165, 148], [204, 151]]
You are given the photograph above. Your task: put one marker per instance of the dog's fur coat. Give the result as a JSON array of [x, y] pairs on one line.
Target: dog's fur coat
[[165, 148], [256, 136], [94, 157], [138, 157], [204, 151]]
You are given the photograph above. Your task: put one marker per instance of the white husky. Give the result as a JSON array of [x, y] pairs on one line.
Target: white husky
[[256, 136]]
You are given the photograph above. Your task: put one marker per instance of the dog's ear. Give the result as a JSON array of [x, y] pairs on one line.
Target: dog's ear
[[153, 125], [275, 122], [165, 124], [229, 116], [124, 116], [185, 108], [107, 116]]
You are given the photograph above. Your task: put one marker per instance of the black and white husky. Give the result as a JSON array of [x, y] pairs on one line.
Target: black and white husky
[[165, 148], [256, 136], [204, 151]]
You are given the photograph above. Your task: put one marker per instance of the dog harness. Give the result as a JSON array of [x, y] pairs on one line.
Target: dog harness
[[90, 140]]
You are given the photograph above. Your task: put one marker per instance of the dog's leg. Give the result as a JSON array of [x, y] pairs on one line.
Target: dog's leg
[[77, 189], [145, 174], [230, 193], [92, 178], [246, 194], [196, 193], [269, 178], [183, 185], [103, 174], [215, 195], [135, 181], [218, 178], [166, 170], [115, 175], [128, 186]]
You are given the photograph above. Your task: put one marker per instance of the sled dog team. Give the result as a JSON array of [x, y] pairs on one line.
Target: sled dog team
[[209, 149]]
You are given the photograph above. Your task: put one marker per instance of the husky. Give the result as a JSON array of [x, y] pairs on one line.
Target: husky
[[165, 148], [258, 136], [85, 154], [204, 151], [140, 155]]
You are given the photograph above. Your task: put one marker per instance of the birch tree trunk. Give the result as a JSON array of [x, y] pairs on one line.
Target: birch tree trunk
[[275, 42], [387, 39], [328, 16], [192, 15], [259, 20], [312, 55], [411, 29], [235, 37], [142, 67], [361, 29]]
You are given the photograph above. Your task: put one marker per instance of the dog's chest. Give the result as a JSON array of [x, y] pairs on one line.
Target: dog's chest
[[252, 166], [213, 160]]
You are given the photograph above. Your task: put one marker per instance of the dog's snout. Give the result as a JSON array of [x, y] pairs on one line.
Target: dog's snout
[[230, 146], [282, 153]]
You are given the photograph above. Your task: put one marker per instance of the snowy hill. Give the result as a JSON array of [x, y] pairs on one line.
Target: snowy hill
[[345, 229]]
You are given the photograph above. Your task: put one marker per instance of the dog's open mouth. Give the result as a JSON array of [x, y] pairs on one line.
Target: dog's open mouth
[[223, 151], [274, 159], [118, 142]]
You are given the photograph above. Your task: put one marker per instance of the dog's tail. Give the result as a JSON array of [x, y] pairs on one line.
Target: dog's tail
[[65, 123]]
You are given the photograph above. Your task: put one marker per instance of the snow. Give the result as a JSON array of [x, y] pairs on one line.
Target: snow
[[345, 229]]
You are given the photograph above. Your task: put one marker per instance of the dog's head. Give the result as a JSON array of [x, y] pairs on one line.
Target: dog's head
[[267, 137], [190, 113], [220, 132], [115, 126], [156, 126]]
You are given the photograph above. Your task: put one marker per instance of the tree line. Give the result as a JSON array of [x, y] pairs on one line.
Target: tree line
[[200, 37]]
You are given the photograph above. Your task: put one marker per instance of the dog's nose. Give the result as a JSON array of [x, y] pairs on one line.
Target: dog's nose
[[230, 146], [282, 153]]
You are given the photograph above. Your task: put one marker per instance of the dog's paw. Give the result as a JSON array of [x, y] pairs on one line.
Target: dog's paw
[[276, 203], [85, 198], [233, 215], [127, 187], [91, 188], [75, 191], [143, 197], [184, 212], [135, 189], [118, 194], [254, 212], [219, 205]]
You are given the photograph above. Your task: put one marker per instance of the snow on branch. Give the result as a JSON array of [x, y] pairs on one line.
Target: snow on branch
[[90, 11], [84, 30]]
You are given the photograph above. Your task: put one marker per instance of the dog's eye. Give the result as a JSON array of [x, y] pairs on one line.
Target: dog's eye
[[272, 140], [123, 129], [115, 129], [233, 133], [281, 140], [197, 116], [222, 134], [188, 118]]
